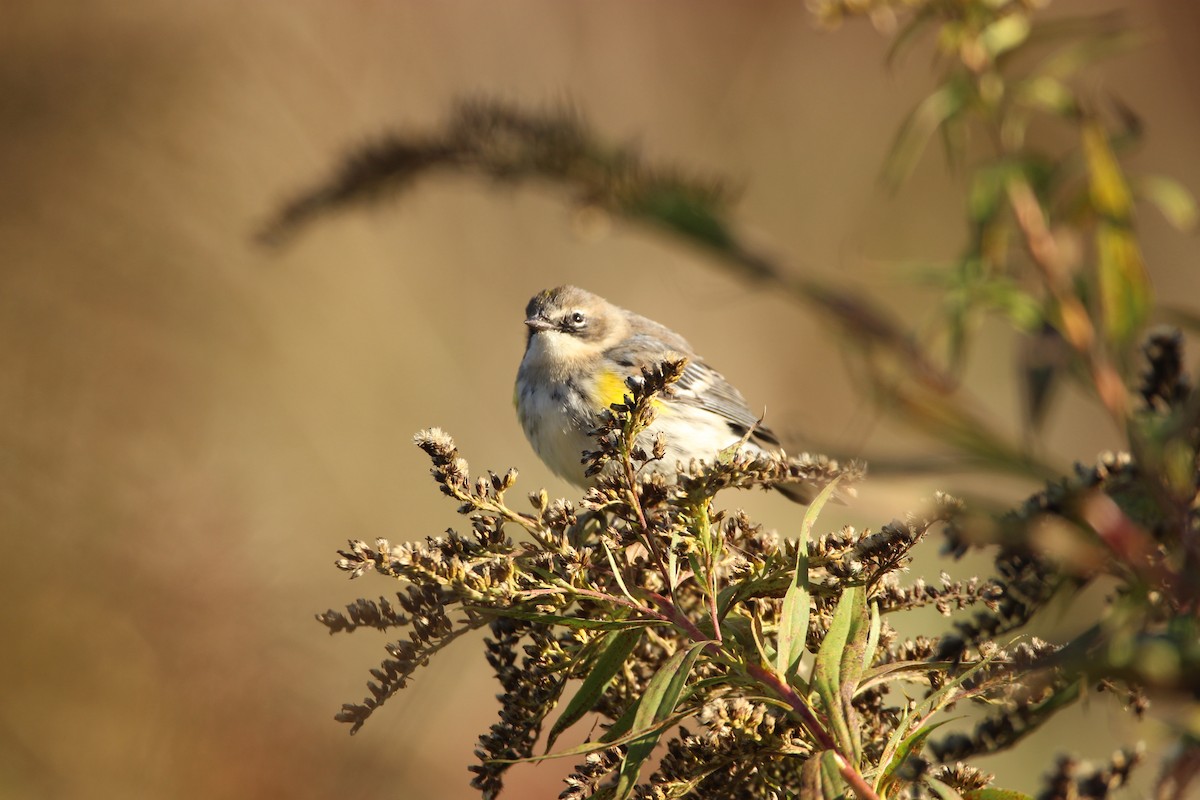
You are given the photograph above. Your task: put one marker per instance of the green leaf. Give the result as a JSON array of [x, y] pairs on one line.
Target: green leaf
[[839, 666], [793, 619], [931, 704], [820, 778], [873, 631], [1175, 202], [659, 701], [911, 745], [901, 671], [608, 663], [616, 569], [603, 743], [920, 126]]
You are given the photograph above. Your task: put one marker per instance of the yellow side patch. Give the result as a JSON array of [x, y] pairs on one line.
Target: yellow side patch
[[611, 389]]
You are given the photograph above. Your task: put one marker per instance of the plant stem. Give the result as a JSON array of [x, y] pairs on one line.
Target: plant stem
[[822, 737], [1077, 326]]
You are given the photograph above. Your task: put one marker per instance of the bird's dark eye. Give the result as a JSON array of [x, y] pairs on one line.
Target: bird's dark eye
[[577, 318]]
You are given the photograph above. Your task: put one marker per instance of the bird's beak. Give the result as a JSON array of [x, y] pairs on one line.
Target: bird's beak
[[539, 324]]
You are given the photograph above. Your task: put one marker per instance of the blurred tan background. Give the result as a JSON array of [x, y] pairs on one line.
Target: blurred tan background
[[191, 425]]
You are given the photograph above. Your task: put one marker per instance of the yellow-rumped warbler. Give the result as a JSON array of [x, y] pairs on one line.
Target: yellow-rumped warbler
[[580, 350]]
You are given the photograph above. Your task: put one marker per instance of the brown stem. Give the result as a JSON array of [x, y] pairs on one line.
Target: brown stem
[[635, 497], [1077, 326]]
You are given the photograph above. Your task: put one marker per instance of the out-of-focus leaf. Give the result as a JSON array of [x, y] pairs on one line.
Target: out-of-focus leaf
[[1106, 182], [922, 123], [941, 790], [987, 194], [1005, 33], [1019, 307], [839, 666], [793, 620], [1175, 202], [608, 663], [907, 36], [659, 701], [1047, 93], [1069, 60], [995, 794], [1125, 292]]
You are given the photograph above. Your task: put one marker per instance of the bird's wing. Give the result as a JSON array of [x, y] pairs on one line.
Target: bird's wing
[[707, 388], [700, 385]]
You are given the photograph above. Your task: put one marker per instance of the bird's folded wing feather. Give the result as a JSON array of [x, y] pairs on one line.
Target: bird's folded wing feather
[[700, 384]]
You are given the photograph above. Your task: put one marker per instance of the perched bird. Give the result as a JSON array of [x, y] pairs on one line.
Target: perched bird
[[579, 352]]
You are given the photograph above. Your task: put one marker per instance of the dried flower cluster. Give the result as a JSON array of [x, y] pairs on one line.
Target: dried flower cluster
[[759, 663]]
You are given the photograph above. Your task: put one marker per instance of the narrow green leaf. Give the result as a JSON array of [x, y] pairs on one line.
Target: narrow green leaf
[[935, 701], [608, 663], [909, 34], [616, 570], [832, 660], [603, 743], [851, 670], [659, 701], [911, 745], [914, 671], [873, 631], [920, 126], [820, 778], [793, 619]]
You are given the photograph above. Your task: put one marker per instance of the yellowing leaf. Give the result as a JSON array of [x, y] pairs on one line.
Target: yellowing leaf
[[1125, 291], [1109, 191]]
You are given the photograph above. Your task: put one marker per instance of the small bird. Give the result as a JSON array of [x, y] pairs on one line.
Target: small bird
[[579, 352]]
